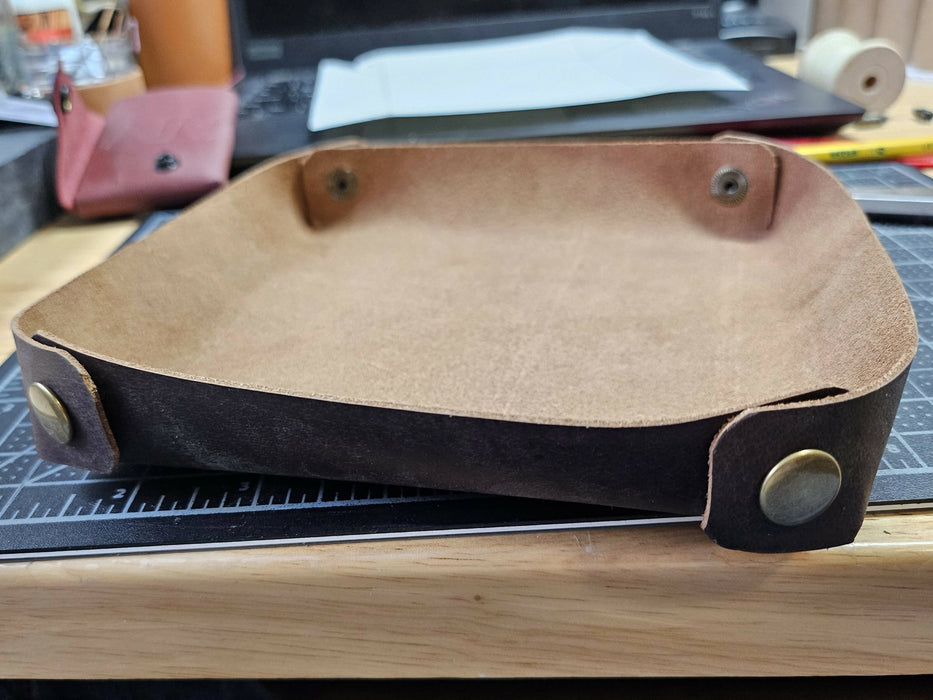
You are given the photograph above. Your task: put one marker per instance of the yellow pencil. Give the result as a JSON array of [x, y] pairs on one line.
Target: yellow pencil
[[852, 151]]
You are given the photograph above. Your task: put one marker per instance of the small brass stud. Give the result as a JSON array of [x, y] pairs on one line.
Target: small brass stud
[[800, 487], [64, 95], [341, 184], [729, 186], [50, 412]]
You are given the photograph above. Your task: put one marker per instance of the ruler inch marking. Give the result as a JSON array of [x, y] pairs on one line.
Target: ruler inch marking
[[19, 487], [129, 501], [259, 484], [67, 505]]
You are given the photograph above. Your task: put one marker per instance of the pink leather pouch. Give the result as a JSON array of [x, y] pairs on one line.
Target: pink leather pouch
[[162, 149]]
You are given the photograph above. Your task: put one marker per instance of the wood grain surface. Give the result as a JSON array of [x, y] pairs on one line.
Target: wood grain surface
[[652, 601], [50, 258]]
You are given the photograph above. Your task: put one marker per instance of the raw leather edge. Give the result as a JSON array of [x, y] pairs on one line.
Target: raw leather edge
[[852, 428], [92, 445]]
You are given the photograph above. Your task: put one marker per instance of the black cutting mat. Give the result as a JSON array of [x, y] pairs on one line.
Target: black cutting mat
[[54, 510], [906, 471]]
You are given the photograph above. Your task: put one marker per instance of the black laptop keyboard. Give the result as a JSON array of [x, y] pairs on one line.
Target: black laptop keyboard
[[279, 97]]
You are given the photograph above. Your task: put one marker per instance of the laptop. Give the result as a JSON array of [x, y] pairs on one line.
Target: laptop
[[279, 43]]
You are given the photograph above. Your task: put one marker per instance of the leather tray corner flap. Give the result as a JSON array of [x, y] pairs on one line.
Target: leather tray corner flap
[[652, 325]]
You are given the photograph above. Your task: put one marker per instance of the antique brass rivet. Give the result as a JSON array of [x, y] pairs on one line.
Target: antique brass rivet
[[800, 487], [341, 183], [64, 95], [729, 186], [50, 412]]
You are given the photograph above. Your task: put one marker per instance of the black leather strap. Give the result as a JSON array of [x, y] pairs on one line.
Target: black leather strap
[[159, 419], [854, 431]]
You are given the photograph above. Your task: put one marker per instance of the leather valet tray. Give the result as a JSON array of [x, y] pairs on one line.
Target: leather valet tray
[[690, 327]]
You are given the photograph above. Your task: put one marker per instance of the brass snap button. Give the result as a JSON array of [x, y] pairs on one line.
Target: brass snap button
[[64, 94], [800, 487], [50, 412], [729, 186], [166, 162], [341, 184]]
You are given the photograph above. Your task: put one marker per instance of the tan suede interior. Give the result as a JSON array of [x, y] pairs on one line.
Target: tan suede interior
[[579, 284]]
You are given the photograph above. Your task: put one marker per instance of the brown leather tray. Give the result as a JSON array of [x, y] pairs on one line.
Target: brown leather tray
[[675, 326]]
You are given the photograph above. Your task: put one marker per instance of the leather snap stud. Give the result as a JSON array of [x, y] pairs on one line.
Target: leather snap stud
[[729, 186], [50, 412], [64, 94], [800, 487], [166, 162], [341, 183]]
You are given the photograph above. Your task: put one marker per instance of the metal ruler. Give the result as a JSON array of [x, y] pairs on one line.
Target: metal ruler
[[53, 510]]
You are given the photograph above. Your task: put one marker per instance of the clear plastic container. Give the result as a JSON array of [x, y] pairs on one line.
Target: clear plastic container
[[89, 60], [10, 72]]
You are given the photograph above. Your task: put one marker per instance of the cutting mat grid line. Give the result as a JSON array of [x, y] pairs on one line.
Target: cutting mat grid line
[[50, 507], [906, 470]]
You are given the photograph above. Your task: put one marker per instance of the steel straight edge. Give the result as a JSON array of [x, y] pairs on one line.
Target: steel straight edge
[[651, 601]]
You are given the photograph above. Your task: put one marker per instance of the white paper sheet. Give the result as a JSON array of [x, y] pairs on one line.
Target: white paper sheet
[[21, 111], [575, 66]]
